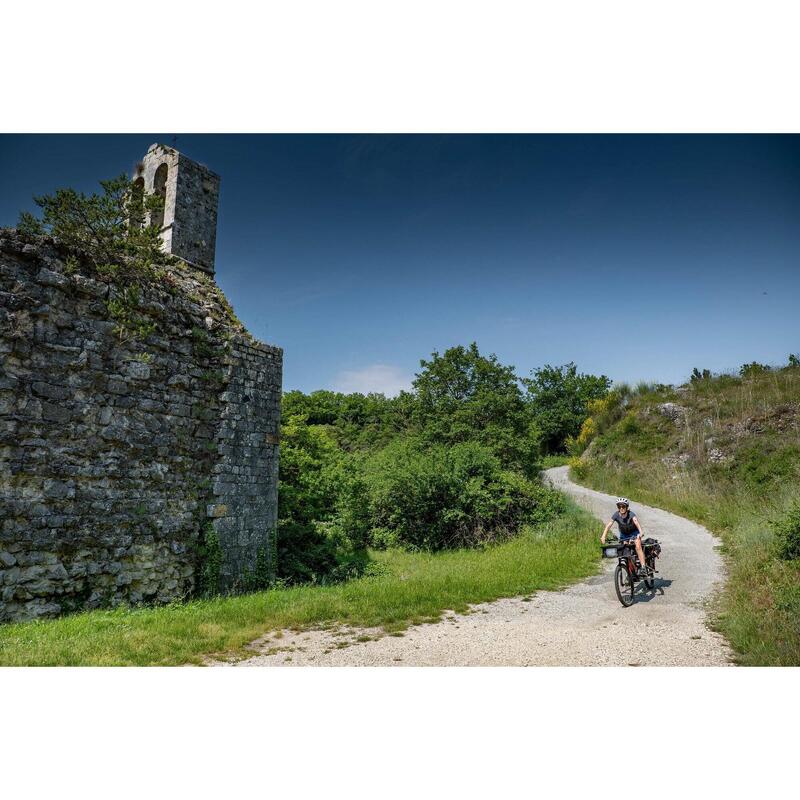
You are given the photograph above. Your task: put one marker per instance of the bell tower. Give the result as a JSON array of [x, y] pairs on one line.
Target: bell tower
[[188, 223]]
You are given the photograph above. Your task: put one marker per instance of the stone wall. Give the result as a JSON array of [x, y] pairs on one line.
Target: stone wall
[[117, 455], [245, 474]]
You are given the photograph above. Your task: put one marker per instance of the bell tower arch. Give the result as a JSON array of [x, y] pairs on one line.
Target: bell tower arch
[[188, 222]]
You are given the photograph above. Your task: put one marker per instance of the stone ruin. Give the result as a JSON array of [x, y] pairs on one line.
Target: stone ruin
[[190, 191], [119, 457]]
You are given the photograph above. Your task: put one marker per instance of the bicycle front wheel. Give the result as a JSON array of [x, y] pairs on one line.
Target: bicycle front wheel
[[624, 585]]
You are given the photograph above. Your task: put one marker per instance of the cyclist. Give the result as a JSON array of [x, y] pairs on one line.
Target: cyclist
[[629, 529]]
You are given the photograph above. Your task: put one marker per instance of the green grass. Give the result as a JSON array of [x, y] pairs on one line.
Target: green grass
[[406, 588], [554, 460], [754, 422]]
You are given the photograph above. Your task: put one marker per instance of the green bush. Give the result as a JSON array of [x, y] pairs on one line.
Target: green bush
[[438, 497], [311, 547], [787, 533], [767, 462], [111, 234], [316, 553], [753, 369], [629, 424]]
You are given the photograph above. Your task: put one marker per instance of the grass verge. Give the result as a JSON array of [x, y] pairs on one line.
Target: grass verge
[[557, 460], [405, 588]]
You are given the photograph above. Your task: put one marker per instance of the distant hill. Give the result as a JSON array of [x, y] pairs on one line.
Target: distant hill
[[723, 450]]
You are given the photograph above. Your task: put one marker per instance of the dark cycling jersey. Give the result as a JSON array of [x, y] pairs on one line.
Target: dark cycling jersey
[[627, 527]]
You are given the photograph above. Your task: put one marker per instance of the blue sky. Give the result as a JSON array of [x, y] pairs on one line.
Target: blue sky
[[634, 256]]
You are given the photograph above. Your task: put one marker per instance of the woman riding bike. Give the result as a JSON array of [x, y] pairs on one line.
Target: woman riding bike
[[629, 530]]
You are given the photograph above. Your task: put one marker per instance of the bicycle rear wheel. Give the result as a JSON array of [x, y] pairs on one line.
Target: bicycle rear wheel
[[624, 585], [650, 582]]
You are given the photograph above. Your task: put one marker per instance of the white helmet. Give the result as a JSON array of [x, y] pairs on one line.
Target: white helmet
[[623, 501]]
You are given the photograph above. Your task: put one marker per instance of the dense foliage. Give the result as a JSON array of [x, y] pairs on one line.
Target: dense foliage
[[438, 496], [356, 421], [108, 230], [451, 463], [310, 548], [787, 533], [111, 233], [558, 398], [462, 396]]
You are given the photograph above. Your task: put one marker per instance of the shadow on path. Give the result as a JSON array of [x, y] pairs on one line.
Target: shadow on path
[[645, 595]]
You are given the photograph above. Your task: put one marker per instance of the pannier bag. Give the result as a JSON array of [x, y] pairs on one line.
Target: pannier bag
[[651, 547], [617, 549]]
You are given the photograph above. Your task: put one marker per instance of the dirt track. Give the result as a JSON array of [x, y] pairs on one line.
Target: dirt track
[[582, 625]]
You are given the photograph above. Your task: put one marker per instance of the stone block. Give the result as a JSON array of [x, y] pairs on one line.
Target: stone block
[[49, 278], [117, 386], [216, 510], [90, 286], [50, 391], [138, 370], [55, 413]]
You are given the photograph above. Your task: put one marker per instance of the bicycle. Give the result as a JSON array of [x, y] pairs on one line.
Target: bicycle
[[626, 573]]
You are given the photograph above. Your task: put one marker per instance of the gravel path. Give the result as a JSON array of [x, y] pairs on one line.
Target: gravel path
[[583, 625]]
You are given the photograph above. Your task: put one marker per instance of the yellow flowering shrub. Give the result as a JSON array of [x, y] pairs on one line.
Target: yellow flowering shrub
[[601, 413]]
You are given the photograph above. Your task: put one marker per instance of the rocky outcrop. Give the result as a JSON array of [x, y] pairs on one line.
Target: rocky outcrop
[[673, 412]]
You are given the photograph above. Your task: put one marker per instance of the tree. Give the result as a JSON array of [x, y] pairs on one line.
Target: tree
[[464, 396], [108, 233], [308, 452], [558, 398], [309, 550], [356, 420], [106, 229]]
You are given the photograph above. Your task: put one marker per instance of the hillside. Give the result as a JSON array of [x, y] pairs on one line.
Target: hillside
[[725, 451]]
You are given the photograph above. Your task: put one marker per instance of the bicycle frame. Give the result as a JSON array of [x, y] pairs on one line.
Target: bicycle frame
[[629, 559]]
